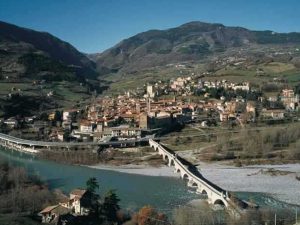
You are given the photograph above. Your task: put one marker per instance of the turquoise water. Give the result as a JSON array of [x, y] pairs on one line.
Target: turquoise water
[[135, 191]]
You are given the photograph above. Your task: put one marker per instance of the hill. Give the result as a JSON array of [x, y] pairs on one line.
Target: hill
[[189, 42], [16, 42], [39, 72]]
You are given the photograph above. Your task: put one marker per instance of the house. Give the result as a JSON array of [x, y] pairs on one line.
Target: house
[[29, 119], [60, 136], [128, 117], [51, 214], [80, 201], [150, 91], [250, 107], [289, 99], [11, 122], [51, 116], [161, 120], [276, 114], [86, 126], [288, 93], [69, 115], [224, 116], [67, 125], [125, 131], [243, 86]]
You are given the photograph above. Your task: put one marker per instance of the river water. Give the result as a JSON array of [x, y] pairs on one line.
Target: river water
[[135, 191]]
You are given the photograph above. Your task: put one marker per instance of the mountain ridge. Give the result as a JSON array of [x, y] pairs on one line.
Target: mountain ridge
[[14, 37], [190, 41]]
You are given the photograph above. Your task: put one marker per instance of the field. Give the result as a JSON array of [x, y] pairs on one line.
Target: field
[[65, 94], [124, 82], [263, 144]]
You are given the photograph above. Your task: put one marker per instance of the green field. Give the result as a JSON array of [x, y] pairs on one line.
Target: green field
[[66, 94], [124, 82]]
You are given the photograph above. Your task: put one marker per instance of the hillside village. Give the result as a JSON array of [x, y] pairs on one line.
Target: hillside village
[[159, 108], [140, 113]]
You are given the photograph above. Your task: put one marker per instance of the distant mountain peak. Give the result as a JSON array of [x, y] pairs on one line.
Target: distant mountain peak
[[45, 42], [190, 41]]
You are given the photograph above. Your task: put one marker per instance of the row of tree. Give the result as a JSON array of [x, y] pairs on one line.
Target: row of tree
[[283, 142]]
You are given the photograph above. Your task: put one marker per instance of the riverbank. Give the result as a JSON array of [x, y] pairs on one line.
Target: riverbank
[[278, 180], [146, 170]]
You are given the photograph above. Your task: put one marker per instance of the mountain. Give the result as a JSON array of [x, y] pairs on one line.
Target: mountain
[[39, 72], [190, 41], [21, 47]]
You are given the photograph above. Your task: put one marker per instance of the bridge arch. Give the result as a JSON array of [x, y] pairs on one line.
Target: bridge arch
[[219, 202], [212, 194], [194, 184], [204, 192], [172, 163], [185, 177]]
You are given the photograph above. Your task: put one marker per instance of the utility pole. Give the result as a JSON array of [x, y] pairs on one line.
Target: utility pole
[[296, 216], [275, 222]]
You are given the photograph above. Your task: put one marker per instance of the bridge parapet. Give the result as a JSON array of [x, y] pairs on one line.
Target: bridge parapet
[[215, 194]]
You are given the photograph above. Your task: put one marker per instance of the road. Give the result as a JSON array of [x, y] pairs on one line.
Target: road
[[20, 141]]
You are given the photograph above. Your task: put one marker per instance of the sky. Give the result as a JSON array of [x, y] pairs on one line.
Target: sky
[[95, 25]]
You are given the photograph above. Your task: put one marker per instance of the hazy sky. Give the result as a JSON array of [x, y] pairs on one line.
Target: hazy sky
[[95, 25]]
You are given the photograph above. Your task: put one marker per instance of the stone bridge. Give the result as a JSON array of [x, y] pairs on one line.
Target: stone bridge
[[215, 194]]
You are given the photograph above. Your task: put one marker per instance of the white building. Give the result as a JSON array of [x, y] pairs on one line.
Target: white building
[[150, 91]]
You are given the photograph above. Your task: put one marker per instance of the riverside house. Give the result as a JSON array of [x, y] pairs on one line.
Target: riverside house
[[79, 203]]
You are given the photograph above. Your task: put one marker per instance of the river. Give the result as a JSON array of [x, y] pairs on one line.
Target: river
[[135, 191]]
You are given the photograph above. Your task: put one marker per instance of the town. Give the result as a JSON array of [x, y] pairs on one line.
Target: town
[[149, 112], [157, 109]]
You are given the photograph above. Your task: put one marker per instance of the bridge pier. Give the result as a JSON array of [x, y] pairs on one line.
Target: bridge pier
[[215, 195]]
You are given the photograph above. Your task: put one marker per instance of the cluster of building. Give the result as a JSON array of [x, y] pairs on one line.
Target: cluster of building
[[79, 203], [130, 117], [133, 116]]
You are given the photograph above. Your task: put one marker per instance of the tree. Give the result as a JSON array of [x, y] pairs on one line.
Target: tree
[[92, 185], [110, 206], [44, 116], [201, 214], [1, 74], [149, 216], [58, 116]]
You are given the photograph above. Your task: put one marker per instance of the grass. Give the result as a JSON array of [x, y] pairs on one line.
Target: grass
[[272, 70], [66, 94], [123, 82], [5, 88], [188, 139], [184, 144], [292, 77]]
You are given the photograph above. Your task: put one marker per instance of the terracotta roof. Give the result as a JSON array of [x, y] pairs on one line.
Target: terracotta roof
[[48, 209], [85, 123], [78, 192]]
